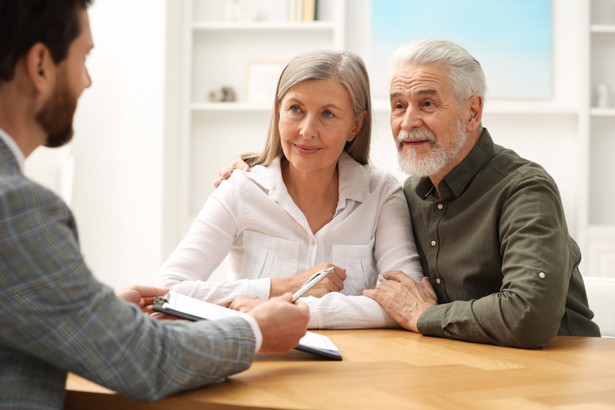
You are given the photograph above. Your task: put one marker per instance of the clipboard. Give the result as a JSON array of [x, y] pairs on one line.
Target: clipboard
[[189, 308]]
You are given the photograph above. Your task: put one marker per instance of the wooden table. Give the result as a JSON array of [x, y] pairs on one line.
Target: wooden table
[[391, 369]]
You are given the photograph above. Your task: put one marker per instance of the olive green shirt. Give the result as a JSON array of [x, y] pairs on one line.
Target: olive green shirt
[[495, 245]]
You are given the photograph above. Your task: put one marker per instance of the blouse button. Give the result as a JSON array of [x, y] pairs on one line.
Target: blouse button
[[440, 206], [438, 281], [542, 275], [433, 243]]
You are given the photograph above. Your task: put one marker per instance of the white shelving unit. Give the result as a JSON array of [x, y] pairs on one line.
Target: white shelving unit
[[598, 134]]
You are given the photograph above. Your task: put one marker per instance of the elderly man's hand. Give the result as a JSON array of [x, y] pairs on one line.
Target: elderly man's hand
[[225, 173], [403, 298]]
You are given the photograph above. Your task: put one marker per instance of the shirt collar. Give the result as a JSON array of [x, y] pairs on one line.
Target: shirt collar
[[353, 179], [456, 182], [14, 148]]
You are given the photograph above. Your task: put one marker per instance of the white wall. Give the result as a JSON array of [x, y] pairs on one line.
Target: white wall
[[117, 148]]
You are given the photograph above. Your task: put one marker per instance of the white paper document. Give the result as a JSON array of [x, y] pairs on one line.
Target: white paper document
[[190, 308]]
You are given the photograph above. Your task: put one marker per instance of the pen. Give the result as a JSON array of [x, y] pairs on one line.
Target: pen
[[311, 282]]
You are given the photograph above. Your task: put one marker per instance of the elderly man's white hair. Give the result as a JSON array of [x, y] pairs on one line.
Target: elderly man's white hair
[[465, 73]]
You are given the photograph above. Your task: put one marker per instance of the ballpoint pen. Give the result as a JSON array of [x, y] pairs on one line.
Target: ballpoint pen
[[312, 282]]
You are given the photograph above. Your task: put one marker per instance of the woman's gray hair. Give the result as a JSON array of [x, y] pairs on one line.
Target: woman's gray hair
[[343, 66], [465, 73]]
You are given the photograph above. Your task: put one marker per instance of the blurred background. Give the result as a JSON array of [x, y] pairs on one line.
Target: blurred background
[[151, 132]]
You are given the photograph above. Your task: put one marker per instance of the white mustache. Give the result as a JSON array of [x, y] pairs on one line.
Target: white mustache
[[415, 135]]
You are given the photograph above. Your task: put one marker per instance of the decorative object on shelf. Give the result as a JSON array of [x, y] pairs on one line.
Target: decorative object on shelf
[[603, 96], [261, 80], [222, 94], [241, 12]]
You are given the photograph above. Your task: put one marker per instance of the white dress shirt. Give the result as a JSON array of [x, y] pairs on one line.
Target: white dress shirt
[[252, 218]]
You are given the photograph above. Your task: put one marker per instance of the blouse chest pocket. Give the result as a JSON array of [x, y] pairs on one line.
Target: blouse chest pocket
[[265, 256], [358, 260]]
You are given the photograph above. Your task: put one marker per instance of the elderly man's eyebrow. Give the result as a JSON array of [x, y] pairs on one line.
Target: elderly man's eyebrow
[[421, 91], [425, 91]]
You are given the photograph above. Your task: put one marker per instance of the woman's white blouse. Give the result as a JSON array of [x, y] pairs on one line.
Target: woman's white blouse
[[252, 218]]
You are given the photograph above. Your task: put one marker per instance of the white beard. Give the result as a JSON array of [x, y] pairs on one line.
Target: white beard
[[435, 159]]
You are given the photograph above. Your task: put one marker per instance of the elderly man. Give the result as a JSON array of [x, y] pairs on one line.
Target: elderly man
[[56, 317], [489, 225]]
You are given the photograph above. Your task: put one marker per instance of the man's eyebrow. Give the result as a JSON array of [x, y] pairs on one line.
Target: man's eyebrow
[[422, 91], [425, 91]]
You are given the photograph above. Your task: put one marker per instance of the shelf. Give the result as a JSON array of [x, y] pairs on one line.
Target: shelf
[[379, 105], [529, 107], [602, 28], [506, 107], [264, 26], [229, 106], [603, 231], [602, 112]]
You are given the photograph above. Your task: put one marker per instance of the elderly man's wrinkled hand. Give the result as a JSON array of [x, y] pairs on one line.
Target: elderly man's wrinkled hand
[[403, 298]]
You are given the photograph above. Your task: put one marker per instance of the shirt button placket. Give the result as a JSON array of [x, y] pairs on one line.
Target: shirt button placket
[[440, 212], [439, 207], [311, 253]]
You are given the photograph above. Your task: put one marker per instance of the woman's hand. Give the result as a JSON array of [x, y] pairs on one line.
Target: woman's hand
[[334, 282], [244, 304]]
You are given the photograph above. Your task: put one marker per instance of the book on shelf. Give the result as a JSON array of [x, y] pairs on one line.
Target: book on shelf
[[309, 10], [301, 10]]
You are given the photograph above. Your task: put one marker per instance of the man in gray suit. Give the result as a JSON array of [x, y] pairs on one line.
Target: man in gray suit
[[55, 316]]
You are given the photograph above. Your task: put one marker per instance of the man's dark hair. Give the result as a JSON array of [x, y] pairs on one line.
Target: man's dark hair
[[24, 23]]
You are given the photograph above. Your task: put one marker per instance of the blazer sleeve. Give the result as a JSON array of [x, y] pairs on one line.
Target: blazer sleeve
[[55, 311]]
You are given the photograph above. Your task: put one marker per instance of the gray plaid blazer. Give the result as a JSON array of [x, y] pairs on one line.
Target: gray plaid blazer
[[55, 317]]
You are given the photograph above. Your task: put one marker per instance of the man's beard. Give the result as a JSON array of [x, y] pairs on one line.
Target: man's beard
[[435, 160], [56, 117]]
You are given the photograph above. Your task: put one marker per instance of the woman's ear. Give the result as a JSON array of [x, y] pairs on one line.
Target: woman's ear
[[358, 125]]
